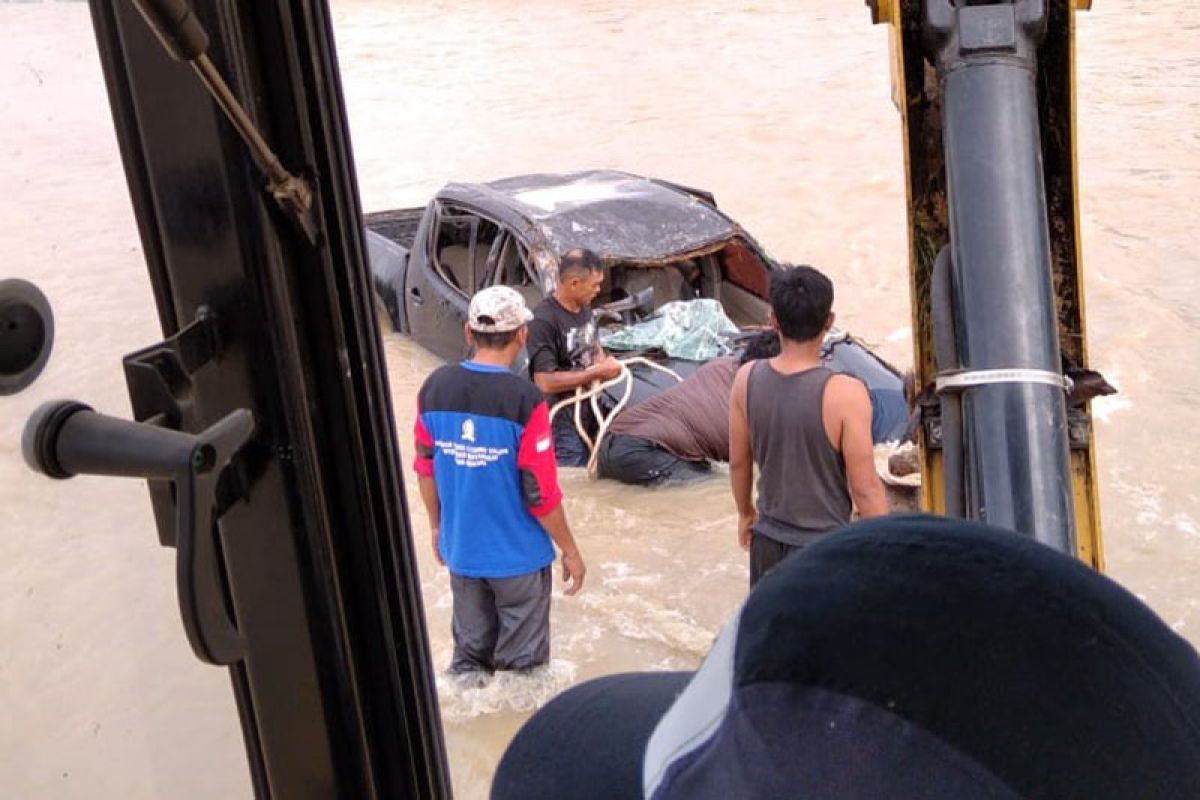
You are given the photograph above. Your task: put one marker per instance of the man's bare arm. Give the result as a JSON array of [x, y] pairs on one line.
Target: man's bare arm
[[858, 450], [433, 509], [741, 457], [574, 569]]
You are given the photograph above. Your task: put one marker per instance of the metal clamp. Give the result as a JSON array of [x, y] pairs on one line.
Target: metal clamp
[[957, 381]]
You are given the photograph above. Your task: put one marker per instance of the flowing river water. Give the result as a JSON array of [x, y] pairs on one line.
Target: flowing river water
[[782, 109]]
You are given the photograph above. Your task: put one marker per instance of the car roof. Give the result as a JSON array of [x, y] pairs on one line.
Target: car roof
[[621, 217]]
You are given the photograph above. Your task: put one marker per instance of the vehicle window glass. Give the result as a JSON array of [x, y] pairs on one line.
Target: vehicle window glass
[[91, 614]]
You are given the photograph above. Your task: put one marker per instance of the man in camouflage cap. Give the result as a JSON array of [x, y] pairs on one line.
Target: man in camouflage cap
[[485, 464]]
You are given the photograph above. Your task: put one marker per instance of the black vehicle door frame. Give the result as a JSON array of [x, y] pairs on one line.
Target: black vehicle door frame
[[442, 210], [335, 688], [437, 306], [493, 257], [444, 307]]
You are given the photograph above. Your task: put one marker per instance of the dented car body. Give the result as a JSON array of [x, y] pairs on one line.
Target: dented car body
[[651, 234]]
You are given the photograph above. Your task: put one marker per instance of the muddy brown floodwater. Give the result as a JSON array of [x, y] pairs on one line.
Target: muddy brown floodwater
[[782, 109]]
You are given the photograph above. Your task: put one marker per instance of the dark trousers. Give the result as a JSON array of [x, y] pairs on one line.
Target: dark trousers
[[765, 553], [569, 449], [631, 459], [501, 623]]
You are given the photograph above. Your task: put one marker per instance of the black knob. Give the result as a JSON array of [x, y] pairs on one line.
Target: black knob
[[65, 438], [26, 334], [39, 443]]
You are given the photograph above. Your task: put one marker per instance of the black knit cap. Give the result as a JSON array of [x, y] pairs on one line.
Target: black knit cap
[[903, 657]]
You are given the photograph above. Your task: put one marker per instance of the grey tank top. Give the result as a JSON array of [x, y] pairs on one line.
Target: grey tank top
[[802, 490]]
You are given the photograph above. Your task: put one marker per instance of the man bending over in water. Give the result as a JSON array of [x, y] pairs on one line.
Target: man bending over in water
[[674, 436]]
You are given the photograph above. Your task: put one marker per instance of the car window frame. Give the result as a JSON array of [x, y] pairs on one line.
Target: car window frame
[[445, 208], [523, 258]]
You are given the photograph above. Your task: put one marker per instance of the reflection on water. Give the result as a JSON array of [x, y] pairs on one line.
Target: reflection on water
[[782, 109]]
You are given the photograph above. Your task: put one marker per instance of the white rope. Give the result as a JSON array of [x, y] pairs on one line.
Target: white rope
[[647, 362], [605, 421], [583, 394], [591, 395], [594, 459]]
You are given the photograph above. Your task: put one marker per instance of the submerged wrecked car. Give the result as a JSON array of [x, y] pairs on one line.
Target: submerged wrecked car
[[650, 233], [663, 243]]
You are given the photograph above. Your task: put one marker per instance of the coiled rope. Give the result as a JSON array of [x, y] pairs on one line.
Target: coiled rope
[[591, 394]]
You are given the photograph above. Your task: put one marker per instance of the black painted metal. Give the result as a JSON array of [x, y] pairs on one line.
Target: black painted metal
[[335, 691], [1017, 469], [942, 306], [67, 438], [176, 27], [26, 334]]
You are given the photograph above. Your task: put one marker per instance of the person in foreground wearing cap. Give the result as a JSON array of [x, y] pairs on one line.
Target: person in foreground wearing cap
[[807, 429], [901, 658], [485, 464]]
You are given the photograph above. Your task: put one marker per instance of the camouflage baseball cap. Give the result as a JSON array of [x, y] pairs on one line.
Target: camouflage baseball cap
[[497, 309]]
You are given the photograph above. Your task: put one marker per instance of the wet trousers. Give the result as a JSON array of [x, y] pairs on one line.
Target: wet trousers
[[501, 623], [632, 459]]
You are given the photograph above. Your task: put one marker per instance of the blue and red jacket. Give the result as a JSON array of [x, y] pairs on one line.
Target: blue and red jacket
[[483, 435]]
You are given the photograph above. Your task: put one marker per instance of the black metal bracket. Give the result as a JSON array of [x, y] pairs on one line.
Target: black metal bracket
[[68, 438], [183, 471], [184, 39], [955, 32], [159, 378]]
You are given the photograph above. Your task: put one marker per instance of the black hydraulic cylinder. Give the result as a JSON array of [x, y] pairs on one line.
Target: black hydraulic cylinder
[[1016, 459]]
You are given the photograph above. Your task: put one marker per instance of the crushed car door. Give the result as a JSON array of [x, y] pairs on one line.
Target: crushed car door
[[438, 284], [441, 286]]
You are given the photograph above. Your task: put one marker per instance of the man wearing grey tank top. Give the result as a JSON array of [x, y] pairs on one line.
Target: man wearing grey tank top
[[806, 429]]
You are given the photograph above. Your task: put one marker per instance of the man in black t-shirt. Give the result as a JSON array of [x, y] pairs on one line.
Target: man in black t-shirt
[[564, 349]]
